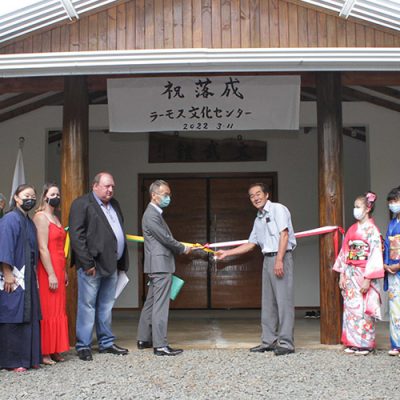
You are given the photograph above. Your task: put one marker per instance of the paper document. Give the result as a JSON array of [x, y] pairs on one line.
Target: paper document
[[121, 283]]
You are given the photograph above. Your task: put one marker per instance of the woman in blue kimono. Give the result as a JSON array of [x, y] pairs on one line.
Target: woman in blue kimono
[[391, 258], [19, 298]]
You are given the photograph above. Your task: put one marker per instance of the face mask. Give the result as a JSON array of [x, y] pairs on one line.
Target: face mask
[[53, 201], [28, 204], [165, 201], [394, 208], [358, 213]]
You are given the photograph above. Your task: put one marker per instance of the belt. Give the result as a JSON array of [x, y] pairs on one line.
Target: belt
[[275, 253]]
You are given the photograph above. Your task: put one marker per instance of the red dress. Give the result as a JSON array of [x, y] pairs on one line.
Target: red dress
[[54, 325]]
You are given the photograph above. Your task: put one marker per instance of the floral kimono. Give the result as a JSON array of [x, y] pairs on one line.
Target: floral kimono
[[392, 281], [360, 258]]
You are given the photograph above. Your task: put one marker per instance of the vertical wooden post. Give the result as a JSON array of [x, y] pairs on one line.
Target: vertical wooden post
[[330, 174], [74, 169]]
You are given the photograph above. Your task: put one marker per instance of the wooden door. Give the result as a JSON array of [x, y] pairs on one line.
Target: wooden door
[[208, 209], [235, 281], [186, 216]]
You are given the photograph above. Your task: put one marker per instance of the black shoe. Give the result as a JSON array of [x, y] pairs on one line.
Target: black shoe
[[85, 355], [166, 351], [141, 345], [283, 351], [262, 348], [114, 349]]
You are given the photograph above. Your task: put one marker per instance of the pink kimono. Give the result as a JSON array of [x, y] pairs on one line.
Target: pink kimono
[[360, 257]]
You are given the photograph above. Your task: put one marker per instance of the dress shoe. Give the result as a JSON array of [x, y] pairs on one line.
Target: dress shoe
[[85, 355], [166, 351], [262, 348], [282, 351], [141, 345], [114, 349]]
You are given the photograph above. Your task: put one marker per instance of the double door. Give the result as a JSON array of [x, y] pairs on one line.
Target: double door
[[206, 209]]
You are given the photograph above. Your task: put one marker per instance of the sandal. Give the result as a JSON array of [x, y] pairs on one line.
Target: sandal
[[19, 369], [57, 357], [48, 361]]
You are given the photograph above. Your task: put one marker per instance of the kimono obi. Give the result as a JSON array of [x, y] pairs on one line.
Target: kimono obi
[[394, 247], [358, 253]]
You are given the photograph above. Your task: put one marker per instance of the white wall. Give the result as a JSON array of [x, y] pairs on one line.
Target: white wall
[[292, 155]]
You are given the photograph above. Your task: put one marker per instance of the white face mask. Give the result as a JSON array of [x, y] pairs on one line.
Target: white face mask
[[394, 208], [358, 213]]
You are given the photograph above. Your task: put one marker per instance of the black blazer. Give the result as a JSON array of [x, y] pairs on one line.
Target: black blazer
[[93, 242]]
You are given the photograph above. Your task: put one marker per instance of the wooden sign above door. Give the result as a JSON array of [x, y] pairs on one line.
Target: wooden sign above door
[[164, 148]]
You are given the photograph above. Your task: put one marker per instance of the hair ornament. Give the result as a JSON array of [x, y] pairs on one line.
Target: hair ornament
[[371, 197]]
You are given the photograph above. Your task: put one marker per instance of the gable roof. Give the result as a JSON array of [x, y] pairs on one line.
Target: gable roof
[[380, 12], [25, 16]]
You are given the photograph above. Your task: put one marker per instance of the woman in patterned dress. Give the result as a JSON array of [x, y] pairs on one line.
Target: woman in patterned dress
[[360, 264]]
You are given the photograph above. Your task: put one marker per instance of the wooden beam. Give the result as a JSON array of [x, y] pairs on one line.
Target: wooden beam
[[387, 91], [74, 170], [308, 93], [330, 177], [357, 95], [32, 85], [98, 97], [371, 78], [12, 101], [31, 106]]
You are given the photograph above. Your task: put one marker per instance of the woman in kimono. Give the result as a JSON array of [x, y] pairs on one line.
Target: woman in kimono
[[392, 268], [360, 263], [19, 298]]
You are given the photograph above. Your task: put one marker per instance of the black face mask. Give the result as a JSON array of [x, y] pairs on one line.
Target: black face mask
[[28, 204], [53, 201]]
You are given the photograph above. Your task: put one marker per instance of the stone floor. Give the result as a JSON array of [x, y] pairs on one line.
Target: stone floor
[[220, 329]]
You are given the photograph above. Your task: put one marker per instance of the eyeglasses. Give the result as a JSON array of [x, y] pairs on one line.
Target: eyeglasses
[[163, 194]]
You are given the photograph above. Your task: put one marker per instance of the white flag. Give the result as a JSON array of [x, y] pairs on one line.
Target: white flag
[[19, 175]]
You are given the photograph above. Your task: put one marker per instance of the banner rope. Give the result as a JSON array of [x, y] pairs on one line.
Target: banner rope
[[209, 246]]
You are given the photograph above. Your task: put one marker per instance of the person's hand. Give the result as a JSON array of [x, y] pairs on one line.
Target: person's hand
[[66, 279], [9, 282], [278, 268], [187, 250], [392, 269], [221, 254], [365, 286], [91, 271], [342, 282], [53, 282]]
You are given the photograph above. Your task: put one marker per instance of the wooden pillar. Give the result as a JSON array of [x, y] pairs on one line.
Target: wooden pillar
[[330, 176], [74, 169]]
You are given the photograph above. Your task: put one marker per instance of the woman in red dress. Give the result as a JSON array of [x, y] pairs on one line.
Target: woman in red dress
[[52, 276]]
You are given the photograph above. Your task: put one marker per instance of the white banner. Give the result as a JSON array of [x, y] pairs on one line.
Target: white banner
[[201, 103]]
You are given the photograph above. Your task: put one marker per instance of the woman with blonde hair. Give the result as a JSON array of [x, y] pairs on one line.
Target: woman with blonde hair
[[52, 276]]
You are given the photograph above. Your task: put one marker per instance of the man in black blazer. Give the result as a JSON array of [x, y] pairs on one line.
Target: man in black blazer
[[99, 249], [159, 264]]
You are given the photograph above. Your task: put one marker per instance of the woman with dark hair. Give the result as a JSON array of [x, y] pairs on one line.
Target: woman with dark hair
[[360, 263], [52, 276], [392, 267], [19, 298]]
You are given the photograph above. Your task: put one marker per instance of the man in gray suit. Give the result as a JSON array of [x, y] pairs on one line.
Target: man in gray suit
[[159, 264]]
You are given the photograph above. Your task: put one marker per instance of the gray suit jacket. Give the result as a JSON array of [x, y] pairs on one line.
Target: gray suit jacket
[[159, 244]]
